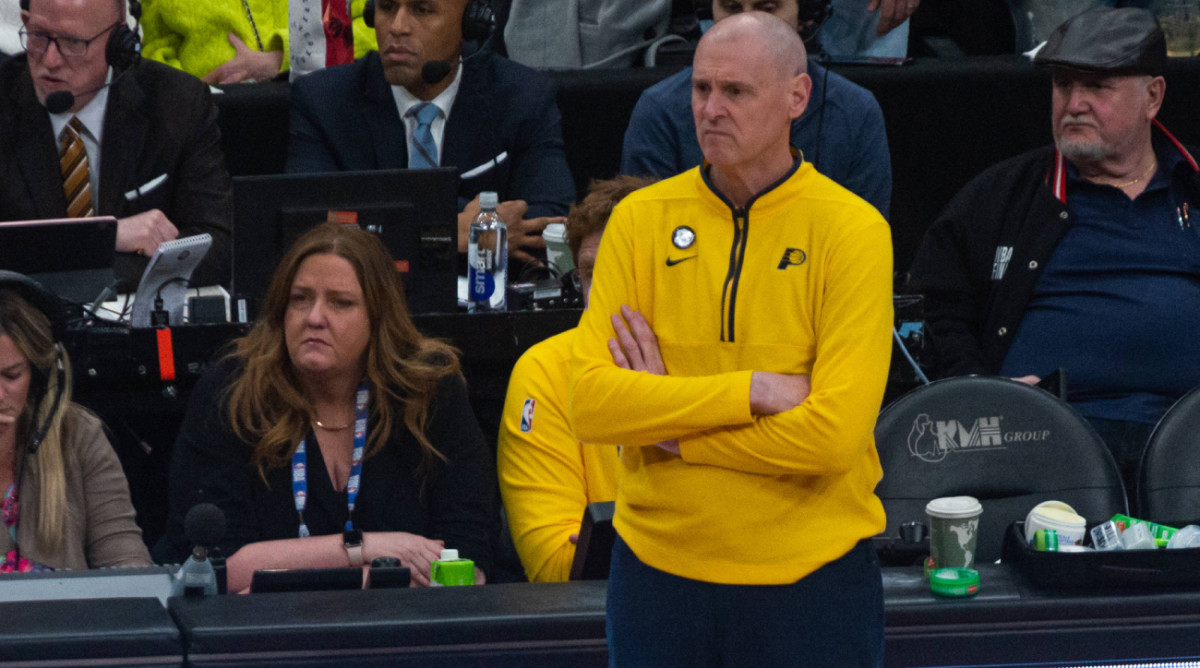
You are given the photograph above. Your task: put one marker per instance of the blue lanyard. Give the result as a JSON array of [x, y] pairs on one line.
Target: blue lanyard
[[300, 464]]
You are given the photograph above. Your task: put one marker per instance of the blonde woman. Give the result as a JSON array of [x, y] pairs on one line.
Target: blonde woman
[[66, 501]]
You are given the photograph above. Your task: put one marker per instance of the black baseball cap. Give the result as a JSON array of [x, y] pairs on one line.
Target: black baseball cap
[[1127, 40]]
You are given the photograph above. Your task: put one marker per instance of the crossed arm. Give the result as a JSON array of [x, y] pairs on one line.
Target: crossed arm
[[635, 347]]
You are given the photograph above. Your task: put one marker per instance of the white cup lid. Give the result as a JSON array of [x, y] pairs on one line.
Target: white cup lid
[[449, 555], [954, 507]]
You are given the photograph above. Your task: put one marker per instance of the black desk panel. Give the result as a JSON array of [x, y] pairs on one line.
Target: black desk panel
[[1010, 623], [495, 625], [97, 632], [1007, 624]]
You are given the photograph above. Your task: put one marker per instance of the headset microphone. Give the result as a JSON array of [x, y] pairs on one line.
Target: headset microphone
[[62, 100], [434, 71]]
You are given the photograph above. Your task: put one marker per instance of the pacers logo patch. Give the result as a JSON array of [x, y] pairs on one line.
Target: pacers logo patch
[[792, 257], [527, 415]]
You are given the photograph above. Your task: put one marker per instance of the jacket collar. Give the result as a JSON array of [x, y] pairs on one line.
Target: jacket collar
[[1058, 181], [706, 177]]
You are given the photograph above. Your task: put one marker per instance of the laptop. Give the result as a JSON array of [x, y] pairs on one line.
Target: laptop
[[71, 257]]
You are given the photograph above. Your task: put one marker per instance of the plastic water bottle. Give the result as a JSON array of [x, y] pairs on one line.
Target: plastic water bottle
[[487, 257]]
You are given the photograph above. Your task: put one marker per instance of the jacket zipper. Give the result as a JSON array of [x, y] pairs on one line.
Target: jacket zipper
[[737, 256]]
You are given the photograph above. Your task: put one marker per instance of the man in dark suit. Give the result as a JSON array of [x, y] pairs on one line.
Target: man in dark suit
[[495, 120], [151, 138]]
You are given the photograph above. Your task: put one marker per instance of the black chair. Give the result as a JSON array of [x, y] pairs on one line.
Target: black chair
[[1169, 480], [1005, 443]]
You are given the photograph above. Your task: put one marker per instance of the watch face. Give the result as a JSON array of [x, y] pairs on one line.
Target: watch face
[[352, 537]]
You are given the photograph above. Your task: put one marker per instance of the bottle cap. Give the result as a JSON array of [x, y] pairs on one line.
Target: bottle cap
[[449, 555], [488, 200], [956, 582]]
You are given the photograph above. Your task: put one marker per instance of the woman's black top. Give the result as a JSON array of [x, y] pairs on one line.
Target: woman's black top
[[456, 501]]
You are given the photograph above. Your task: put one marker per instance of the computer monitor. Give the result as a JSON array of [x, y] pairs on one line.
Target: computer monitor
[[415, 212], [71, 257]]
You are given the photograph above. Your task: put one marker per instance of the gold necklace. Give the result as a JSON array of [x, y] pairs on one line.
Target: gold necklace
[[322, 425], [1122, 186]]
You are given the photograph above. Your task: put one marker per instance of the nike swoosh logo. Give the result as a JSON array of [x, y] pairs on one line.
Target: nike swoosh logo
[[672, 263]]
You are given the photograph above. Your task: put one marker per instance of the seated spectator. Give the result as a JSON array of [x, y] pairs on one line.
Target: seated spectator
[[841, 132], [549, 34], [547, 477], [334, 432], [326, 33], [1080, 255], [88, 128], [416, 103], [10, 23], [868, 28], [227, 41], [66, 500]]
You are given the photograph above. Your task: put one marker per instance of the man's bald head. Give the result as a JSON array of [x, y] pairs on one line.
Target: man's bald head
[[749, 83], [781, 42]]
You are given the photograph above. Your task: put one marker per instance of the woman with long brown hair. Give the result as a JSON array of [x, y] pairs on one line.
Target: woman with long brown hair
[[335, 433], [66, 501]]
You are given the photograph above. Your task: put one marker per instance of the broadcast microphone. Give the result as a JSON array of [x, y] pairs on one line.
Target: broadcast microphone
[[204, 527], [62, 100], [436, 70]]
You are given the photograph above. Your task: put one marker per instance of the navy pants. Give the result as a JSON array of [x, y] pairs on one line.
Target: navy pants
[[833, 617]]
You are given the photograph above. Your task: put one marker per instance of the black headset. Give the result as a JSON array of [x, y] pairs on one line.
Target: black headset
[[54, 310], [478, 20], [123, 48]]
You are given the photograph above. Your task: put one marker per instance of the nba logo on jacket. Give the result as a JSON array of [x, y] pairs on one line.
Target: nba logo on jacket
[[527, 415]]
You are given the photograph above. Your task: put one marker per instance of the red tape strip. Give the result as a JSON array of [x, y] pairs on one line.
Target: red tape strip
[[166, 355]]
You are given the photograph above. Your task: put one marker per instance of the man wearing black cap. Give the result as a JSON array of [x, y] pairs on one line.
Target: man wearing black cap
[[1080, 256]]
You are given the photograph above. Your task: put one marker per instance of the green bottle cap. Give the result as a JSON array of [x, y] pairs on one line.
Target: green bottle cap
[[956, 582]]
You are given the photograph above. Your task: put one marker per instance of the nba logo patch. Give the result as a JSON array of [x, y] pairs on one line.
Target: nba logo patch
[[527, 415]]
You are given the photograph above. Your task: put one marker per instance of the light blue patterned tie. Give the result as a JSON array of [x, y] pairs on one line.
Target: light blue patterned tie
[[424, 155]]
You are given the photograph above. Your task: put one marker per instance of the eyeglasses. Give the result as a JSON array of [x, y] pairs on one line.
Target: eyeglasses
[[70, 47]]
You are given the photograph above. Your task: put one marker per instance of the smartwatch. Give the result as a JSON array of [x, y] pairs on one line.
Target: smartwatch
[[352, 540]]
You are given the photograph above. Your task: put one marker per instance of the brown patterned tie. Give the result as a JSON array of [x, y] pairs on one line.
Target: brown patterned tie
[[77, 181]]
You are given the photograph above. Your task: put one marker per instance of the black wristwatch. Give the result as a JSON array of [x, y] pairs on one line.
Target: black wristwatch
[[352, 540]]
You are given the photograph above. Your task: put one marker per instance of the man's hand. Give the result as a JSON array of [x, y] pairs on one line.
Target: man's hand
[[1028, 380], [772, 393], [636, 348], [523, 233], [891, 13], [246, 65], [142, 233]]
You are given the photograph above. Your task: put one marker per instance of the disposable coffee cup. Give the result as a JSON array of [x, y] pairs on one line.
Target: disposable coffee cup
[[558, 253], [953, 527]]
